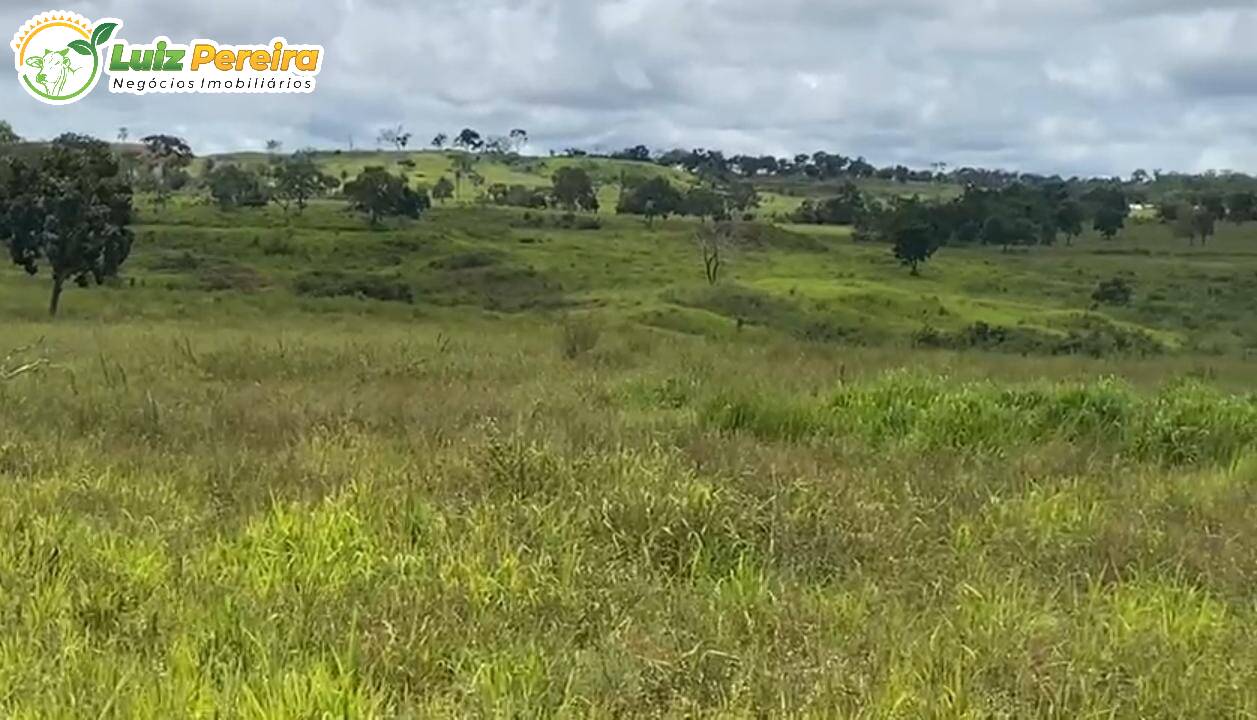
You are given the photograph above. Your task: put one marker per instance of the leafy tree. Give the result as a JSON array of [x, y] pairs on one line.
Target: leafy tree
[[653, 198], [298, 179], [166, 157], [516, 196], [1069, 219], [843, 209], [914, 243], [573, 190], [123, 134], [496, 145], [638, 153], [69, 208], [1214, 203], [1168, 212], [1007, 231], [379, 195], [743, 198], [469, 139], [443, 190], [233, 186], [704, 202], [1184, 224], [1109, 221], [274, 146], [519, 138], [7, 135], [440, 141], [1242, 207]]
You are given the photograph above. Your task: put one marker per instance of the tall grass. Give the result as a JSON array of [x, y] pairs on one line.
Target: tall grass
[[1185, 423], [306, 519]]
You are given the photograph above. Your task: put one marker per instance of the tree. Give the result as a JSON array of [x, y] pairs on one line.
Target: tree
[[573, 190], [1204, 220], [1214, 203], [517, 196], [7, 135], [1109, 221], [1184, 224], [519, 138], [397, 137], [703, 202], [233, 186], [69, 208], [440, 141], [297, 179], [469, 139], [443, 190], [914, 243], [843, 209], [123, 134], [273, 146], [1241, 207], [743, 198], [653, 198], [378, 195], [496, 145], [713, 240], [1069, 219], [1007, 231], [464, 168], [166, 158], [1168, 212]]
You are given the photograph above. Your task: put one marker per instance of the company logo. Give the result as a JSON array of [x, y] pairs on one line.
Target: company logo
[[61, 56], [58, 55]]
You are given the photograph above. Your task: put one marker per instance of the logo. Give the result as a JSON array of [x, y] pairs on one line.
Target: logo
[[61, 56]]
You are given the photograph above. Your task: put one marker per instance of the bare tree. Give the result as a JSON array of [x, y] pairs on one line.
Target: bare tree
[[714, 241], [397, 137]]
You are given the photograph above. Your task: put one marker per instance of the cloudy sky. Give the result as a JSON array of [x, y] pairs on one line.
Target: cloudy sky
[[1069, 86]]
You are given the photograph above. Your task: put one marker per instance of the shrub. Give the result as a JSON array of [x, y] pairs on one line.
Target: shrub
[[339, 284], [577, 337], [1115, 291]]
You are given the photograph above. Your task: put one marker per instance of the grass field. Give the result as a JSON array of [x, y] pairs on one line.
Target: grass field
[[557, 474]]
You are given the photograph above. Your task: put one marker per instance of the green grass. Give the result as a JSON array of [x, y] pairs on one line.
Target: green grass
[[564, 477]]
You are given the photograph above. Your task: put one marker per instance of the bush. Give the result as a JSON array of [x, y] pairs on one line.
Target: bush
[[577, 337], [1115, 291], [464, 261], [339, 284]]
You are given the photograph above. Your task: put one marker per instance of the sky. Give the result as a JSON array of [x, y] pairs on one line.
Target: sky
[[1075, 87]]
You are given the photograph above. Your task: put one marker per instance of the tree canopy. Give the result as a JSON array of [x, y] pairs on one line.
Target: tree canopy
[[68, 209]]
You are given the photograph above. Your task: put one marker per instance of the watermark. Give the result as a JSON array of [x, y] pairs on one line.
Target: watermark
[[62, 56]]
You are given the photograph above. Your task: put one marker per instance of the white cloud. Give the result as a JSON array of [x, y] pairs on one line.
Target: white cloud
[[1070, 86]]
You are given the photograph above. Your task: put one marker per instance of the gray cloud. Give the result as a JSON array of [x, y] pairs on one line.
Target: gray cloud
[[1070, 86]]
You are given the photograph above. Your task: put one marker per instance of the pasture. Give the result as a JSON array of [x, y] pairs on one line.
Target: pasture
[[508, 464]]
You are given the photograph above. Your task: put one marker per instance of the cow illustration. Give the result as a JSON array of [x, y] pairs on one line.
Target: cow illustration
[[54, 70]]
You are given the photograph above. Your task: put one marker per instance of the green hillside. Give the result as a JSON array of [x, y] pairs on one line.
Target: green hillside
[[532, 464]]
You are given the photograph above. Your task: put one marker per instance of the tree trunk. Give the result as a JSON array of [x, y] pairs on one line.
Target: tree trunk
[[58, 284]]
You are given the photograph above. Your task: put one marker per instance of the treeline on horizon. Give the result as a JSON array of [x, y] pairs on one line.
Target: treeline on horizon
[[1018, 210]]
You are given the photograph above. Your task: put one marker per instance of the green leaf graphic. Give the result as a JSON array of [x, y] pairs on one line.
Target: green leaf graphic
[[103, 32], [81, 47]]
